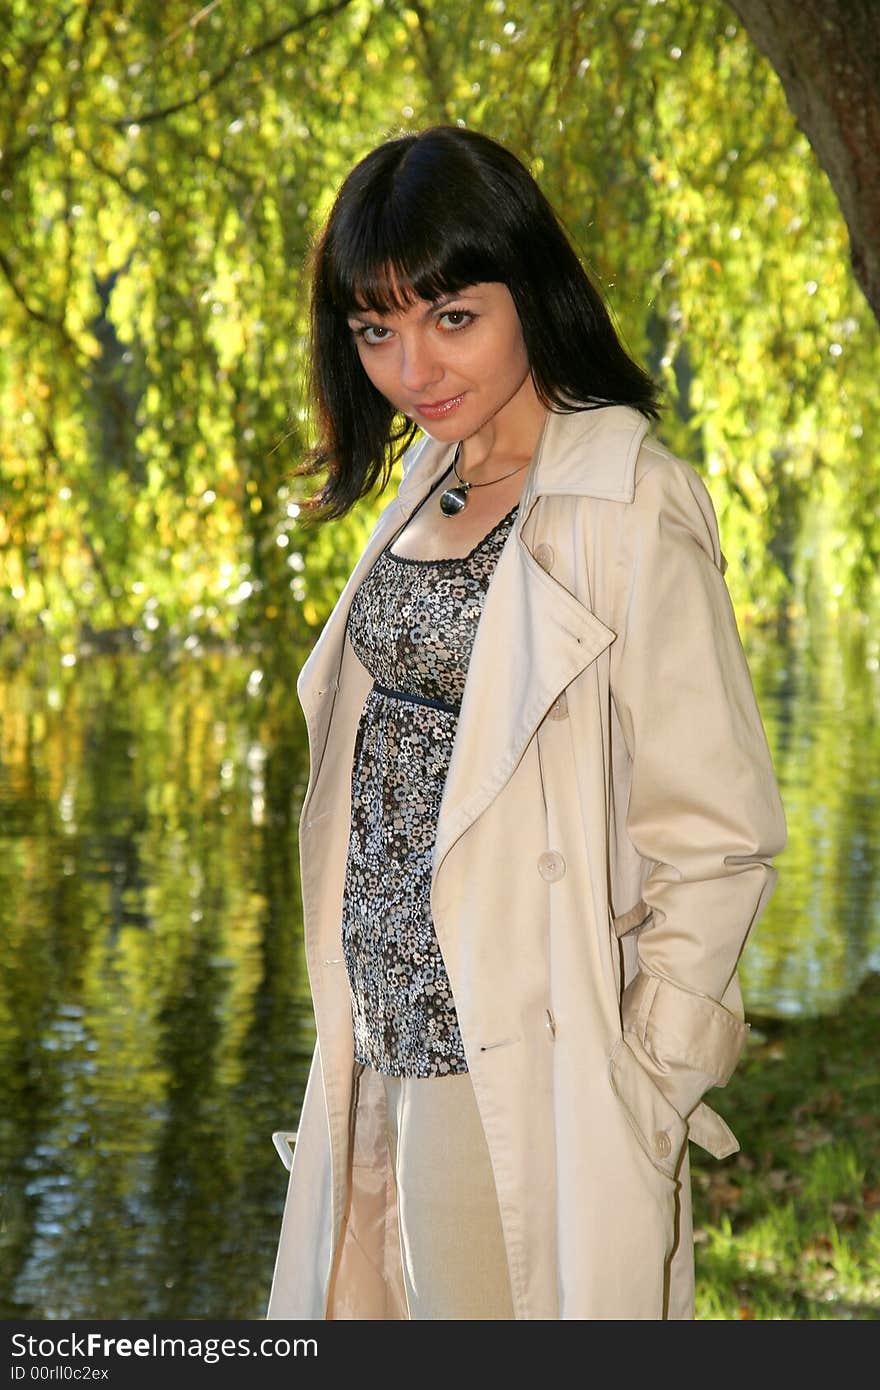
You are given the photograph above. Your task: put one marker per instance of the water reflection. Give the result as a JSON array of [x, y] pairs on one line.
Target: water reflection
[[819, 691], [154, 1016], [155, 1026]]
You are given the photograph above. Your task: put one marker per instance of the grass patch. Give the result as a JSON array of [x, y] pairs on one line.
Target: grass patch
[[789, 1228]]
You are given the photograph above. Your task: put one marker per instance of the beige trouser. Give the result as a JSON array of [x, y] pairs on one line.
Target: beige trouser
[[452, 1246]]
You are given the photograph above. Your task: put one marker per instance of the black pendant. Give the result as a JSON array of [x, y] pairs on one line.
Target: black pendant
[[453, 501]]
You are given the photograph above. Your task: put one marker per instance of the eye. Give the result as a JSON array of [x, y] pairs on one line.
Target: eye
[[372, 333], [458, 319]]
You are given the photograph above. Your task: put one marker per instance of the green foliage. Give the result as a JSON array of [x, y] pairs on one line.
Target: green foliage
[[163, 170]]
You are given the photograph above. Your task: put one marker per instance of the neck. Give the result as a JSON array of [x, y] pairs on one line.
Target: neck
[[506, 440]]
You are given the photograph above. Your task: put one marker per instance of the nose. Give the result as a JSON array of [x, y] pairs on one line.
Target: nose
[[419, 368]]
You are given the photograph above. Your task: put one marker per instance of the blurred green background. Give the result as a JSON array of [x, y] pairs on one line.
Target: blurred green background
[[163, 170]]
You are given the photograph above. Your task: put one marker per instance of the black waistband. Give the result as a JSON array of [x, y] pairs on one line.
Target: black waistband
[[416, 699]]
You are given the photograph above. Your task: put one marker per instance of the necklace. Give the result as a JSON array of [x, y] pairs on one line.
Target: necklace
[[455, 499]]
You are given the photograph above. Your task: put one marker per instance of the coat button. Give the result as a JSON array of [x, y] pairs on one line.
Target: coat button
[[662, 1144], [551, 865], [544, 555], [559, 708]]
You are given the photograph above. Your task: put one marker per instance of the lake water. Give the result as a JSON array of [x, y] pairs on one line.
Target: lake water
[[155, 1024]]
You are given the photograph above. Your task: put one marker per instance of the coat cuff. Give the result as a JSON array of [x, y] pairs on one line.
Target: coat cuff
[[687, 1041]]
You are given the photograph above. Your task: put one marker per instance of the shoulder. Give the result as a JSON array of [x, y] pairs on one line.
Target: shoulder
[[670, 497], [637, 498], [628, 482]]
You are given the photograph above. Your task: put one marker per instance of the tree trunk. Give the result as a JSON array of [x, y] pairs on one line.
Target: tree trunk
[[827, 56]]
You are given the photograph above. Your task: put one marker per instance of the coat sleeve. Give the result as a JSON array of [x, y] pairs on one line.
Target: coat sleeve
[[704, 807]]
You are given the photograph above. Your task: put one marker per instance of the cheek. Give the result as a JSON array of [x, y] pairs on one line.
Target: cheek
[[510, 356], [519, 356], [379, 367]]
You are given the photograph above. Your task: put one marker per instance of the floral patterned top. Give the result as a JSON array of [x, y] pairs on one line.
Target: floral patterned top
[[412, 624]]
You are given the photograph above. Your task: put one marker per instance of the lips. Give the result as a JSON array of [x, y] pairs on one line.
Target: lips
[[435, 410]]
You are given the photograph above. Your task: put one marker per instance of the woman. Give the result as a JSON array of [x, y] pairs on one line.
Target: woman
[[541, 809]]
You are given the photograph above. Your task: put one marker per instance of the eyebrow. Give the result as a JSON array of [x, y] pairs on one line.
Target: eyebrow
[[436, 304]]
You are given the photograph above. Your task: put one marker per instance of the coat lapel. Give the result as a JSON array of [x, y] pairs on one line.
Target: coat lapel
[[533, 638], [534, 635]]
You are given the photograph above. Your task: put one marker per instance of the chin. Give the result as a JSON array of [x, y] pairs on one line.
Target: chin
[[441, 431]]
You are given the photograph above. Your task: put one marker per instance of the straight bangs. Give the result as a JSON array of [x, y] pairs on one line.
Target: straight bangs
[[388, 260]]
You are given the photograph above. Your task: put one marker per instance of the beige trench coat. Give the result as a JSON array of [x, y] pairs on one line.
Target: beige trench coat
[[602, 851]]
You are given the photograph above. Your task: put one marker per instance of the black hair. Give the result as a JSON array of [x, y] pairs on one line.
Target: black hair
[[426, 215]]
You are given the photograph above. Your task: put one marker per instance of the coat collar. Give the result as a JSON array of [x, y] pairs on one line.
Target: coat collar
[[590, 453], [587, 453]]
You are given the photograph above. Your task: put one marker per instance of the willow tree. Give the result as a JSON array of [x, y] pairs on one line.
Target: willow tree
[[163, 170]]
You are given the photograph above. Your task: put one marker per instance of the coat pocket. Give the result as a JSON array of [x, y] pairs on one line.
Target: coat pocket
[[656, 1123]]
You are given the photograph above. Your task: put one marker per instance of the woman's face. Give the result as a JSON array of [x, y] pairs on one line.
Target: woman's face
[[450, 365]]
